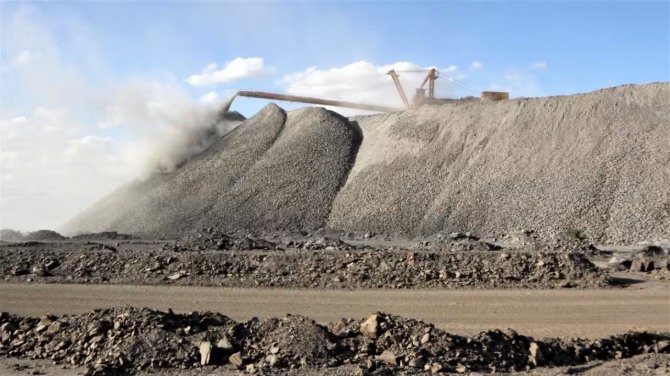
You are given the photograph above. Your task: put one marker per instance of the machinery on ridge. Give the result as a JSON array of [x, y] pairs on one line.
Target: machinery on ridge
[[420, 98]]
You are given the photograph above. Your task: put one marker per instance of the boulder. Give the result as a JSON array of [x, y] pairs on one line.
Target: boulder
[[618, 263], [388, 357], [236, 359], [642, 265], [536, 357], [370, 328], [205, 353]]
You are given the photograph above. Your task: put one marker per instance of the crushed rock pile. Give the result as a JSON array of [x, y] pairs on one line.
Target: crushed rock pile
[[274, 171], [129, 340], [216, 239], [328, 267], [105, 235], [594, 165]]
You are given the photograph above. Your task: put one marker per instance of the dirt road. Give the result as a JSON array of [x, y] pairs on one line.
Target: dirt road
[[584, 313]]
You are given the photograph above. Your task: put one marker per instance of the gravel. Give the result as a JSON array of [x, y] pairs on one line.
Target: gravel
[[213, 259], [166, 203], [593, 163], [272, 172], [131, 340]]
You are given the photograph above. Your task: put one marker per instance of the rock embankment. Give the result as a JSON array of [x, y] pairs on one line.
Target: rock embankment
[[315, 265], [129, 340]]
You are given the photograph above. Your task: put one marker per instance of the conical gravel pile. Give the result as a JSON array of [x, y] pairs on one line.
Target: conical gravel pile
[[271, 172]]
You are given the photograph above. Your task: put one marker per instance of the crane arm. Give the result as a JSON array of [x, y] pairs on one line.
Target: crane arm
[[398, 86]]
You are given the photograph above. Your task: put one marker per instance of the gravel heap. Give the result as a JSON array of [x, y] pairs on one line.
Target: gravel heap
[[594, 163], [327, 266], [165, 203], [212, 238], [272, 172], [128, 340], [589, 165], [105, 235], [39, 235], [215, 239]]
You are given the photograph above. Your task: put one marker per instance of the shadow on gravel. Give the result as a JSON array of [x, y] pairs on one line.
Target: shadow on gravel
[[625, 281]]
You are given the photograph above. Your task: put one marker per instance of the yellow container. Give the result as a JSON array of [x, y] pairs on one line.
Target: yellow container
[[494, 95]]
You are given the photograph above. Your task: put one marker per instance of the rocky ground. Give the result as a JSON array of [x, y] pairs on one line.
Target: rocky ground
[[130, 340], [214, 259], [140, 340]]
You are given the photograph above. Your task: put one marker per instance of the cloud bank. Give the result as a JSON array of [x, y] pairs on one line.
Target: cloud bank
[[233, 70], [68, 138]]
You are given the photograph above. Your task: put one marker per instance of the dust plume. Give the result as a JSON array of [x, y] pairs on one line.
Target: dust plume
[[172, 130]]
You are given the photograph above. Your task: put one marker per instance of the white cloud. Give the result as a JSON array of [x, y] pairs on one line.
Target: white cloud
[[210, 97], [50, 169], [19, 120], [61, 156], [476, 65], [363, 82], [26, 56], [539, 65], [236, 69]]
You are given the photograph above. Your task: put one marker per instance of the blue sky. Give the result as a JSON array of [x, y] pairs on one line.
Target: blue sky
[[586, 45], [87, 88]]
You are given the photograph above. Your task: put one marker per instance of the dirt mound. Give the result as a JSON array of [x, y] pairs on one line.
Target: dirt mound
[[9, 235], [273, 171], [593, 163], [41, 235], [588, 166], [129, 340], [313, 265], [105, 235]]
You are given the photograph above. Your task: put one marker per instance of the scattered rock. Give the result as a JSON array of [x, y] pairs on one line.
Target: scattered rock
[[642, 265], [41, 271], [536, 357], [294, 342], [654, 251], [236, 359], [363, 267], [618, 263], [388, 357], [176, 276], [205, 353], [224, 344], [370, 328]]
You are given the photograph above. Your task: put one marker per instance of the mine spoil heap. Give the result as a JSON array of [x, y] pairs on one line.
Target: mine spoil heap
[[595, 162], [127, 340]]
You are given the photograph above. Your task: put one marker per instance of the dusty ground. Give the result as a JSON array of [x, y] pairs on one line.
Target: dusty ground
[[640, 365], [134, 340], [549, 290], [570, 313]]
